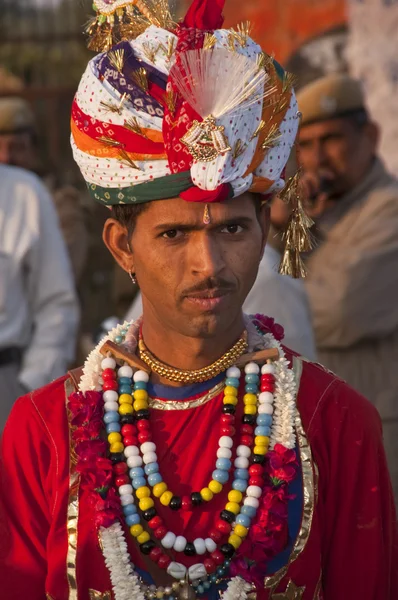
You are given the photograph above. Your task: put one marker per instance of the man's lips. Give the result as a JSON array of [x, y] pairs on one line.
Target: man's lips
[[208, 300]]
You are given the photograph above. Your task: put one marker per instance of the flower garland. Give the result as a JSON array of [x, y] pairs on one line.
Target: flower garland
[[86, 408]]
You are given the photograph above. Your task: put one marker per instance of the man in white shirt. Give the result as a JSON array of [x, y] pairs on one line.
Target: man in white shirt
[[38, 305]]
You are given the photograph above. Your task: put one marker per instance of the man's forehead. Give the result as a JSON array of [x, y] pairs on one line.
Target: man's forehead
[[320, 128]]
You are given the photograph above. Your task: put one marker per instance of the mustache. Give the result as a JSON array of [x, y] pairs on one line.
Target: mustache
[[210, 285]]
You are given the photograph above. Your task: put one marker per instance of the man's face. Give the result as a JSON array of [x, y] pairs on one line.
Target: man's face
[[339, 152], [195, 277], [17, 149]]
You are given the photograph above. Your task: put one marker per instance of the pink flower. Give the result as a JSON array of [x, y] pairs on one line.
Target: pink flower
[[268, 325]]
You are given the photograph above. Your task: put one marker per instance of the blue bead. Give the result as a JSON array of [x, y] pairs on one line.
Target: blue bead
[[151, 468], [138, 482], [125, 389], [252, 378], [124, 381], [227, 563], [133, 520], [130, 509], [243, 520], [241, 474], [113, 428], [251, 388], [154, 479], [207, 585], [220, 476], [250, 511], [136, 472], [140, 385], [233, 381], [262, 430], [220, 571], [213, 578], [224, 464], [111, 417], [118, 339], [264, 420], [201, 589], [240, 485]]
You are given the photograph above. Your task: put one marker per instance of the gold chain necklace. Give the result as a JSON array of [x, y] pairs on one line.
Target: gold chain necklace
[[199, 375]]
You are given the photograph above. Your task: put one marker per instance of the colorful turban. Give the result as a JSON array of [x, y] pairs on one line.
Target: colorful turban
[[187, 110]]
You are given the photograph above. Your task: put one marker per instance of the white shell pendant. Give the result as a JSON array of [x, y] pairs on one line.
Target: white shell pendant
[[177, 570], [196, 572]]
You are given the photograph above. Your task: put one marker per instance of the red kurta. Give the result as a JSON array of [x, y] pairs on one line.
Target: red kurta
[[346, 546]]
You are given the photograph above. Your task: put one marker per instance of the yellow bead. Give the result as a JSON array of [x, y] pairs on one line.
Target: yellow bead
[[116, 448], [140, 404], [165, 498], [146, 503], [249, 399], [250, 409], [159, 489], [235, 541], [263, 450], [136, 530], [261, 440], [126, 409], [206, 494], [143, 492], [230, 400], [241, 531], [144, 537], [230, 391], [141, 395], [233, 507], [114, 437], [215, 486], [126, 399], [235, 496]]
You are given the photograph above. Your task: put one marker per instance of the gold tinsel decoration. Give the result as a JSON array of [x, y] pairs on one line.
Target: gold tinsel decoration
[[209, 41], [125, 158], [140, 77], [238, 149], [133, 125], [116, 58]]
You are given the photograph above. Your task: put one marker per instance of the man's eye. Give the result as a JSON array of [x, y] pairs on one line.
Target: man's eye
[[232, 229], [171, 234]]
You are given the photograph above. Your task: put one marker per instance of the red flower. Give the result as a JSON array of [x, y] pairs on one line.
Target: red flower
[[268, 325], [282, 464], [85, 407]]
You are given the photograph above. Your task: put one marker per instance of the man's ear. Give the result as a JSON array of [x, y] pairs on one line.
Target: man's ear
[[116, 239]]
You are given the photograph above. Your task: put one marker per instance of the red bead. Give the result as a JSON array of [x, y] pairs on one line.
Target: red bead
[[247, 440], [223, 526], [160, 532], [256, 470], [247, 430], [128, 430], [120, 469], [266, 387], [218, 557], [130, 441], [209, 565], [258, 481], [228, 419], [186, 503], [143, 425], [109, 385], [164, 561], [267, 378], [215, 535], [108, 374], [155, 554], [144, 436], [122, 480], [228, 430], [155, 523]]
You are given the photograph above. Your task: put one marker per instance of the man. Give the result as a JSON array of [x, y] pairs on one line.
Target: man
[[353, 279], [38, 306], [165, 392]]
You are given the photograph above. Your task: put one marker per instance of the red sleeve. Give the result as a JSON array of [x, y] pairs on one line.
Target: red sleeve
[[360, 558]]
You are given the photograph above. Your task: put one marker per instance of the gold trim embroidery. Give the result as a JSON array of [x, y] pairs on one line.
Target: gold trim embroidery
[[158, 404], [94, 595], [73, 510], [272, 581], [292, 593]]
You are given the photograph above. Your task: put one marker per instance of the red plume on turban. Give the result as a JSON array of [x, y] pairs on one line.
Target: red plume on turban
[[205, 15]]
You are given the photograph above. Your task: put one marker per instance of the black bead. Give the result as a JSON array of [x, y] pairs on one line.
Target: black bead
[[229, 409], [196, 499], [258, 459], [147, 547], [142, 414], [190, 550], [228, 516], [127, 420], [249, 419], [175, 503], [117, 457], [149, 514], [228, 550]]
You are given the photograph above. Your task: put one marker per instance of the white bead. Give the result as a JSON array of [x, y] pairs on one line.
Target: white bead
[[265, 409], [111, 406], [131, 451], [243, 451], [125, 371], [251, 501], [147, 447], [125, 490], [108, 363], [126, 500], [266, 398], [134, 461], [233, 372], [252, 369], [211, 545], [168, 540], [110, 396], [150, 457], [241, 462], [254, 491], [226, 442], [177, 570], [200, 546], [268, 369], [141, 376], [180, 543], [224, 453], [197, 572]]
